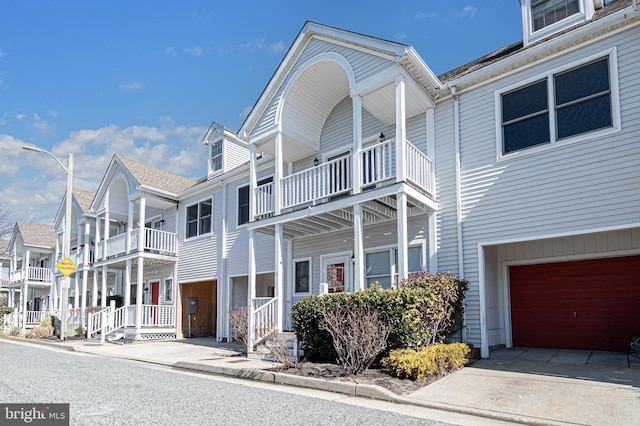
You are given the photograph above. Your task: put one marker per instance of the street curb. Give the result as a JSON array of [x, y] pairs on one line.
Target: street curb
[[58, 345]]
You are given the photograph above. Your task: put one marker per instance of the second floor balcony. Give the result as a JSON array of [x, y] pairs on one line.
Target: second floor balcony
[[31, 275], [153, 241], [335, 178]]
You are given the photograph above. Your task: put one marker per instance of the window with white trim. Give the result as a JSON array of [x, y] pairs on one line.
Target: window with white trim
[[547, 12], [557, 107], [302, 272], [168, 291], [215, 156], [199, 218], [381, 266]]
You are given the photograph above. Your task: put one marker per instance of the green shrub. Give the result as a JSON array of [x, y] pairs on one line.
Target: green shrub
[[421, 312], [430, 361], [5, 310], [46, 322]]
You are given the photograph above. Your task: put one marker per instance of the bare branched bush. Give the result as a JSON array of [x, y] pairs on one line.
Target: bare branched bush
[[358, 334], [279, 350], [44, 331], [239, 319]]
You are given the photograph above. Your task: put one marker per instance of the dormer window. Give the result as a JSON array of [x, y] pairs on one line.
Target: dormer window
[[543, 18], [215, 157], [547, 12]]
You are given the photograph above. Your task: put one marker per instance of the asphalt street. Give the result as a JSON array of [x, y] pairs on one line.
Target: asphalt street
[[107, 391]]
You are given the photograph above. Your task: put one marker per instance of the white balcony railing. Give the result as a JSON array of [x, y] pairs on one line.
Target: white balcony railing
[[155, 241], [33, 274], [323, 182]]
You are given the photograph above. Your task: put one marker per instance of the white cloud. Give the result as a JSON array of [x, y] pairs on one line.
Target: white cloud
[[41, 124], [170, 51], [134, 85], [469, 12], [276, 47], [193, 51], [21, 116], [400, 36]]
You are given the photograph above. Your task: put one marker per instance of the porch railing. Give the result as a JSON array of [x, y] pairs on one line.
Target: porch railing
[[335, 177], [32, 274], [109, 320], [155, 241], [264, 318]]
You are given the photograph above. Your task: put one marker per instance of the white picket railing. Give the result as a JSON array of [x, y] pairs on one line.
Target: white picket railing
[[109, 320], [264, 317], [155, 241], [335, 177], [158, 316], [419, 168]]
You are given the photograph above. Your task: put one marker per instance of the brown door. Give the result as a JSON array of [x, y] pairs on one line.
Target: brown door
[[203, 322], [587, 304]]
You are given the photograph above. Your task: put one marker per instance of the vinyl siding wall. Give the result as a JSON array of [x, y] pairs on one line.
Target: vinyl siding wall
[[573, 187]]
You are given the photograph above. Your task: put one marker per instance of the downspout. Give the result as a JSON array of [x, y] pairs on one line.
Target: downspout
[[223, 270], [456, 145]]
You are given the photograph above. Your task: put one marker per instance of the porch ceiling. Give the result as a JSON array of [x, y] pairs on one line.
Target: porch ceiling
[[373, 211], [382, 105]]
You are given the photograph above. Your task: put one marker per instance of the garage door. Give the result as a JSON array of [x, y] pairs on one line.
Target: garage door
[[588, 304]]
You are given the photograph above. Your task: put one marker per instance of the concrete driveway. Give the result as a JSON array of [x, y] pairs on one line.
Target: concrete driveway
[[545, 386]]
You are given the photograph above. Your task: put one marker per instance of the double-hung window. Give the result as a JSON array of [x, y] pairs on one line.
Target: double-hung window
[[215, 156], [547, 12], [199, 218], [381, 266], [302, 271], [557, 107]]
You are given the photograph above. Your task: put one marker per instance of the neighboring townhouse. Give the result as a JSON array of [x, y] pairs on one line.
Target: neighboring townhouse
[[538, 169], [136, 220], [81, 253], [30, 273], [5, 260]]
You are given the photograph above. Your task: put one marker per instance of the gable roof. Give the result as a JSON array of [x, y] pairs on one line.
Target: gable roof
[[4, 248], [35, 234], [155, 178]]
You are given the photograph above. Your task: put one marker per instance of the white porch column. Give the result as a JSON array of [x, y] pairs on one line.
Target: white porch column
[[252, 182], [94, 290], [401, 129], [102, 251], [142, 220], [279, 276], [251, 286], [127, 289], [23, 298], [106, 229], [139, 293], [403, 261], [356, 103], [103, 292], [76, 288], [129, 223], [278, 174], [83, 306], [358, 249], [433, 241]]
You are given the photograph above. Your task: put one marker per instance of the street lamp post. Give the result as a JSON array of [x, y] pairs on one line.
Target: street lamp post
[[66, 236]]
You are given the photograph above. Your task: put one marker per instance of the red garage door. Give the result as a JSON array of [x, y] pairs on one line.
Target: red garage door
[[586, 304]]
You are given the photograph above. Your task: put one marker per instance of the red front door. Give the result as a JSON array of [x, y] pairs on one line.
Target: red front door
[[155, 292]]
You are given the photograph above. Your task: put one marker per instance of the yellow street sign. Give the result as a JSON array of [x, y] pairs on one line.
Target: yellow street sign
[[66, 267]]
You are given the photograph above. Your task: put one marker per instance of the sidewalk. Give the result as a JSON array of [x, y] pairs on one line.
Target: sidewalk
[[528, 386]]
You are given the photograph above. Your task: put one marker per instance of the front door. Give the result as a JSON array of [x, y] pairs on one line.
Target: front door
[[336, 273]]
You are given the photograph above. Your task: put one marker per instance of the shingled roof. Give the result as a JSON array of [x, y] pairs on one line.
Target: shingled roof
[[36, 234], [4, 247], [156, 178], [84, 198], [507, 51]]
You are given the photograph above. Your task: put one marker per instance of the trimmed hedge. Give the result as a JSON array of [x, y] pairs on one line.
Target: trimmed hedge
[[428, 362], [421, 312]]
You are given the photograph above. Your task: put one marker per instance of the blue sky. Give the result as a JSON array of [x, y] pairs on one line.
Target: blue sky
[[144, 79]]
